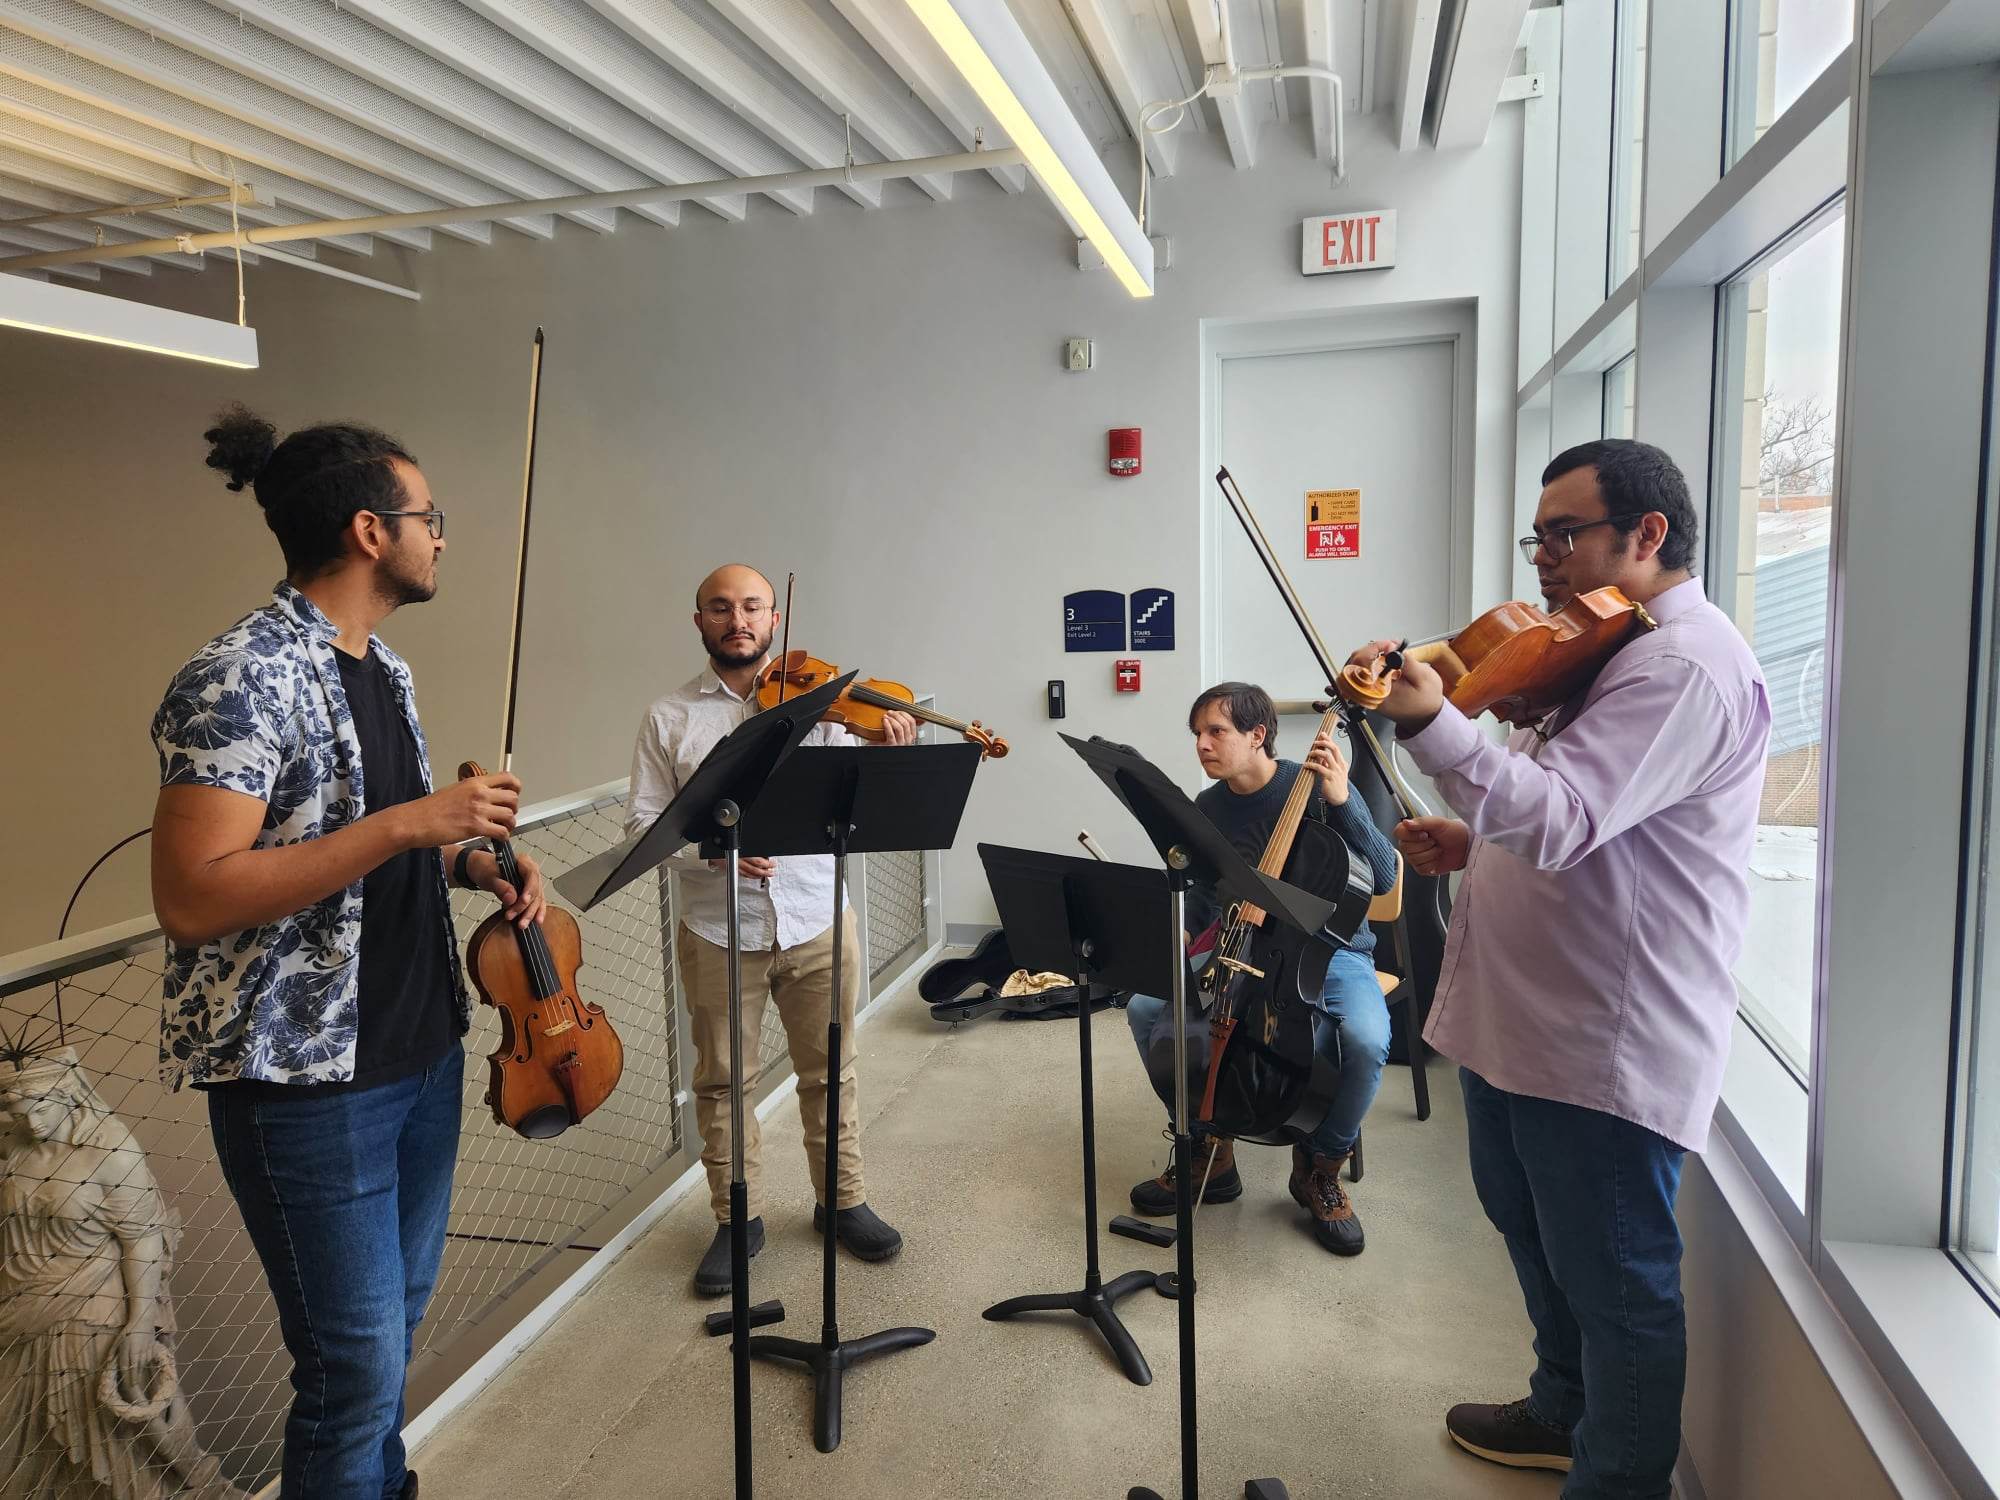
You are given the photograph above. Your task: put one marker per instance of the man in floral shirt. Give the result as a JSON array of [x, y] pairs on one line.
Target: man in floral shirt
[[313, 986]]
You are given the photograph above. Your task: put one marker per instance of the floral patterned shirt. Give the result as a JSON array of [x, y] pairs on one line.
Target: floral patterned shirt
[[260, 710]]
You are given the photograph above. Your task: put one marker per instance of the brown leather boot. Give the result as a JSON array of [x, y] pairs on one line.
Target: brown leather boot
[[1316, 1185], [1155, 1196]]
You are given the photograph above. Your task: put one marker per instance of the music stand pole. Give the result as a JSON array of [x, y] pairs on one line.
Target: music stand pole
[[728, 816]]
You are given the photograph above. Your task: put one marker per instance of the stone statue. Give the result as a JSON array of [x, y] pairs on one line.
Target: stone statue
[[90, 1400]]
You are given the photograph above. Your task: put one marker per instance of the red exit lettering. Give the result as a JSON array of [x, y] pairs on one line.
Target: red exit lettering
[[1348, 242]]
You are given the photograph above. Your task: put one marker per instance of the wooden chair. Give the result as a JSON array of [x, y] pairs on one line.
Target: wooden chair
[[1388, 908]]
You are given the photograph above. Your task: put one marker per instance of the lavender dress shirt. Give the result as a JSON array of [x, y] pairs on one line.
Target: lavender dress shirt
[[1603, 905]]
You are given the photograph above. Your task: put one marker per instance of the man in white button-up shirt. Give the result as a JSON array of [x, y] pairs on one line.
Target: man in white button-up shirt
[[786, 932]]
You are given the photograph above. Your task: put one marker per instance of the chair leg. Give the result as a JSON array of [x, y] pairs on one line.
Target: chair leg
[[1420, 1080], [1354, 1161]]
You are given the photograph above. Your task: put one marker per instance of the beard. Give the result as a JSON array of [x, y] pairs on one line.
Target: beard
[[739, 652], [399, 583]]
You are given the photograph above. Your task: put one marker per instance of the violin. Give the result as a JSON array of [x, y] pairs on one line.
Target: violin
[[863, 704], [1514, 662], [1270, 1084], [559, 1057]]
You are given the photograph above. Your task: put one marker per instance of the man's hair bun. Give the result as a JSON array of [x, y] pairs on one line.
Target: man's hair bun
[[240, 445]]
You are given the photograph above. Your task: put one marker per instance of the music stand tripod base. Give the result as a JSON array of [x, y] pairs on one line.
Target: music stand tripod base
[[1256, 1489]]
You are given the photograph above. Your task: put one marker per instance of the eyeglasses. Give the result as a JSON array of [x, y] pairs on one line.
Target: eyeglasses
[[751, 609], [1561, 540], [434, 519]]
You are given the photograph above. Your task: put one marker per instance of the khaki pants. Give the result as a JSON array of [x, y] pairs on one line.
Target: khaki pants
[[799, 980]]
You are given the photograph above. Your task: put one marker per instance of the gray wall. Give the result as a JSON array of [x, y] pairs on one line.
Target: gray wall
[[872, 399]]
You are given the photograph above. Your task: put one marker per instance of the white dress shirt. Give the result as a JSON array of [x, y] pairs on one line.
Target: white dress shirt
[[796, 904]]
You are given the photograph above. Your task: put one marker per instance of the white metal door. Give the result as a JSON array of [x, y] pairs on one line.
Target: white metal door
[[1379, 419]]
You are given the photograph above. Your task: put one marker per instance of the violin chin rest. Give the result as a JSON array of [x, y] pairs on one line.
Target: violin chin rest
[[541, 1124]]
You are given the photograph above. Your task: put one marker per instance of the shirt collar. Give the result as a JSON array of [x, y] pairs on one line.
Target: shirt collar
[[1670, 606], [711, 684], [303, 612]]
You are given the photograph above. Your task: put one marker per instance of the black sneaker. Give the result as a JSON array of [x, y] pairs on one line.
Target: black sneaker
[[409, 1490], [861, 1230], [1510, 1435], [1155, 1196], [713, 1277]]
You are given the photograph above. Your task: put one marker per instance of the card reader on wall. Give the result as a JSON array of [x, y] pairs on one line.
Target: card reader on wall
[[1058, 699]]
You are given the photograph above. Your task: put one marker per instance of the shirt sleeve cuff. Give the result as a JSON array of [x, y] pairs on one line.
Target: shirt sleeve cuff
[[1444, 743]]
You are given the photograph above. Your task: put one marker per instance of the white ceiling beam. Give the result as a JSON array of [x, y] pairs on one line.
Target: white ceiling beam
[[793, 34], [74, 49], [679, 41], [348, 41], [892, 29], [123, 175], [81, 273], [1481, 57], [38, 239], [34, 197], [1239, 129], [254, 76], [1111, 32], [451, 34], [82, 135], [1418, 45], [611, 62], [1318, 21]]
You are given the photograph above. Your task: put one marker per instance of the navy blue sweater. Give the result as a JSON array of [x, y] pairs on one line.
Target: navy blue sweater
[[1247, 822]]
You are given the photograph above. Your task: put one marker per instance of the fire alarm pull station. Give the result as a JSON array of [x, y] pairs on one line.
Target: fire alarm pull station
[[1126, 674], [1124, 451]]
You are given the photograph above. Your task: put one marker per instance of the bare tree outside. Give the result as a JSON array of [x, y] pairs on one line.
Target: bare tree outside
[[1796, 453]]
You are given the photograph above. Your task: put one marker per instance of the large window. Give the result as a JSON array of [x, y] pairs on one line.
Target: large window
[[1619, 394], [1770, 551], [1776, 48], [1628, 141]]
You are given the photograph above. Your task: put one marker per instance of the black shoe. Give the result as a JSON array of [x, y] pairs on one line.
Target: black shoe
[[713, 1277], [1155, 1196], [861, 1230], [409, 1489], [1510, 1435]]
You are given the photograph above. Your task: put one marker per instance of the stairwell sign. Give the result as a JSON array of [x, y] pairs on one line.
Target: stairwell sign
[[1363, 241], [1152, 619]]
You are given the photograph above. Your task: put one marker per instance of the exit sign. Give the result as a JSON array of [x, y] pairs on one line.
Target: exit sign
[[1364, 241]]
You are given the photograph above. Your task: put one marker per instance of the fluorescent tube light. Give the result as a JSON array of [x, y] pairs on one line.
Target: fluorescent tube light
[[42, 307], [987, 45]]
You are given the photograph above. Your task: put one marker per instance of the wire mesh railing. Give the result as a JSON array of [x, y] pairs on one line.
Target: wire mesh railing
[[102, 1171]]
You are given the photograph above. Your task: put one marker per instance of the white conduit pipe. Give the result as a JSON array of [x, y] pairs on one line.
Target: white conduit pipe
[[677, 192]]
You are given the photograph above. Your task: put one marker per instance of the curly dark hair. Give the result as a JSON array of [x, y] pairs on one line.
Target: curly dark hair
[[1248, 707], [312, 484], [1636, 478]]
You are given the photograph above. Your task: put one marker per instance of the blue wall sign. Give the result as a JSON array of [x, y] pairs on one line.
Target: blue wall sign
[[1094, 620], [1153, 620]]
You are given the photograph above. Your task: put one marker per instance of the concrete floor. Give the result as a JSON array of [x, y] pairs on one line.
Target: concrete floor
[[1330, 1374]]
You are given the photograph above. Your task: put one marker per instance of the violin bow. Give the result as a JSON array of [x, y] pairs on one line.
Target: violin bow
[[785, 644], [1358, 727], [521, 562]]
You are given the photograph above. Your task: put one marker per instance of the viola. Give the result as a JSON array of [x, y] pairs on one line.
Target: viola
[[1514, 661], [559, 1057], [1266, 1079], [863, 704]]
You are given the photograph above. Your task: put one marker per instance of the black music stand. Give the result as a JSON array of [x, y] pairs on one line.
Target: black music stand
[[724, 789], [1100, 922], [1193, 849], [842, 800]]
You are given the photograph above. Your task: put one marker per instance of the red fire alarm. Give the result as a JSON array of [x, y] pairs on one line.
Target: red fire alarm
[[1125, 674], [1124, 451]]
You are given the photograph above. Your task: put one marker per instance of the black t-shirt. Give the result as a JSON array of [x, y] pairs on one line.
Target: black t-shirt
[[407, 1018]]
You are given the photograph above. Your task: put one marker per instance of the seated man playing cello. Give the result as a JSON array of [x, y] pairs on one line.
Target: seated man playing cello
[[1235, 728]]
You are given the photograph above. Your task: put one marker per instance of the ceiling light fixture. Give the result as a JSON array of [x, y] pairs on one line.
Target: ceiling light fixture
[[987, 45], [41, 307]]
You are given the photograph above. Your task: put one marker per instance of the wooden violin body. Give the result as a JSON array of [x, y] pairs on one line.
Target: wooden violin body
[[1514, 661], [559, 1057], [864, 703]]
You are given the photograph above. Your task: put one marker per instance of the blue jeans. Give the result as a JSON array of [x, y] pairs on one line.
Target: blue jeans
[[345, 1197], [1586, 1202], [1351, 1032]]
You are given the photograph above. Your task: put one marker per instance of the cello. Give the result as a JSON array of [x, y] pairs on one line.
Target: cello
[[559, 1057]]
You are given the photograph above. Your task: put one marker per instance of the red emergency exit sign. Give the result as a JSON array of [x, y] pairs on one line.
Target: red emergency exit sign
[[1364, 241]]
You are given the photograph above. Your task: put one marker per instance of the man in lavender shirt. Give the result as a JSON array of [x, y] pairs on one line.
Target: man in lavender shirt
[[1586, 988]]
